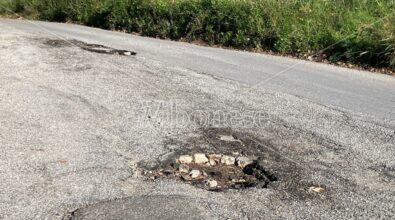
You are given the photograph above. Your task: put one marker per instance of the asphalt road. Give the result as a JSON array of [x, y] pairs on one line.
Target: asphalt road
[[78, 128], [357, 91]]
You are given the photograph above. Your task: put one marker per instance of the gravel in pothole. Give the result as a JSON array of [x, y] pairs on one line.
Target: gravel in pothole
[[219, 159], [216, 172]]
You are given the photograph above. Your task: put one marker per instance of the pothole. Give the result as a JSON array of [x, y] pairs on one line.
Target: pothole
[[216, 172], [220, 159], [96, 48]]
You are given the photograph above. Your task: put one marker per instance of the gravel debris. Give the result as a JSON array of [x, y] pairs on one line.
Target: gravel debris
[[195, 173], [185, 159], [183, 168], [228, 160], [200, 158], [212, 183], [243, 161]]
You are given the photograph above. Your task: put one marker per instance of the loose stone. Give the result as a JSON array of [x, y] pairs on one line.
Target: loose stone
[[183, 168], [195, 173], [243, 161], [228, 160], [185, 159], [212, 183], [200, 158]]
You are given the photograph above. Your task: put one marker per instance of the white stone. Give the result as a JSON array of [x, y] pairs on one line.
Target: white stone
[[183, 168], [215, 157], [195, 173], [212, 162], [316, 189], [212, 183], [228, 138], [228, 160], [243, 161], [200, 158], [185, 159]]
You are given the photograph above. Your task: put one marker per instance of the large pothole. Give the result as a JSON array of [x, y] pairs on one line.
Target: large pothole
[[219, 159], [96, 48]]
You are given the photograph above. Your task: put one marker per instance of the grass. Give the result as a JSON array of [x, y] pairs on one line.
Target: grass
[[354, 31]]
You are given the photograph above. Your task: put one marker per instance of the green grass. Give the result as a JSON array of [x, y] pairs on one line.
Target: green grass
[[354, 31]]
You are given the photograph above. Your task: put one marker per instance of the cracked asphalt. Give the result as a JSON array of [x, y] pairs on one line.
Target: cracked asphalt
[[77, 125]]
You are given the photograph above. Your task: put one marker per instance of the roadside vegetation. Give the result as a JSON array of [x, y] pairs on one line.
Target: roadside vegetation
[[360, 32]]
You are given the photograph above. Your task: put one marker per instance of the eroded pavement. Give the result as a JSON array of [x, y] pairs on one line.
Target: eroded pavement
[[79, 129]]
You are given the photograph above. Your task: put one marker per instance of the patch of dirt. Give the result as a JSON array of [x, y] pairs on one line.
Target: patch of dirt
[[96, 48]]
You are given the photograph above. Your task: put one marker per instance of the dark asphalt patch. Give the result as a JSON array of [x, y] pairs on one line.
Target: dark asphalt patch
[[95, 48], [142, 207]]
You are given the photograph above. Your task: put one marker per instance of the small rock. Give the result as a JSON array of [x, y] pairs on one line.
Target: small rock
[[183, 168], [194, 173], [228, 160], [186, 177], [228, 138], [212, 162], [316, 189], [212, 183], [215, 157], [128, 53], [183, 159], [200, 158], [243, 161]]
